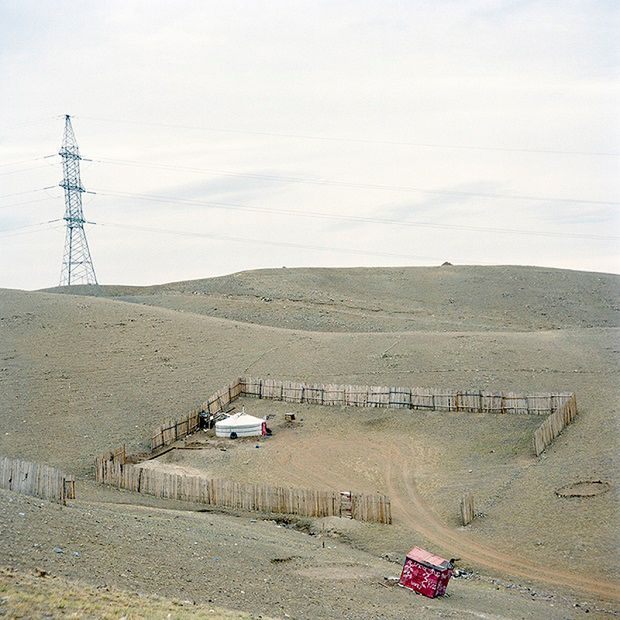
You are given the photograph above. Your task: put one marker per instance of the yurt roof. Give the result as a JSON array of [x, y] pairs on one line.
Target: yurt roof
[[240, 419]]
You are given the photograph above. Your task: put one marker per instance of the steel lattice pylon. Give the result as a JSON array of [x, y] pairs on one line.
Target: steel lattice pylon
[[77, 265]]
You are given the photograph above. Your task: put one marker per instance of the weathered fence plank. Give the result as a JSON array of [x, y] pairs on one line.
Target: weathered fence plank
[[113, 468], [433, 399], [36, 479], [555, 423], [400, 398], [378, 396], [467, 509]]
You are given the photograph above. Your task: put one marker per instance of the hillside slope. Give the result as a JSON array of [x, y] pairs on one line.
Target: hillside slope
[[447, 298], [80, 375]]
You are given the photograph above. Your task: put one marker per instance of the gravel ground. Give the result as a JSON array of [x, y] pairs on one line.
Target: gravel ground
[[382, 299], [80, 375], [239, 563]]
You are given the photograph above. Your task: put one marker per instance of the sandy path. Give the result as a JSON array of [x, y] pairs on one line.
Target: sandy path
[[410, 506], [386, 456], [410, 509], [396, 466]]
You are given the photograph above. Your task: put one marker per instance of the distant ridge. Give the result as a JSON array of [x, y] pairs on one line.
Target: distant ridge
[[445, 297]]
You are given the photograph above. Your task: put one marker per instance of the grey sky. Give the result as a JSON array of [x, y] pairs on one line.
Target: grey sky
[[386, 77]]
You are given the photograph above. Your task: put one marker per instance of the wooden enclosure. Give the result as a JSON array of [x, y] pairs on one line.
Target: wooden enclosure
[[119, 469], [113, 468], [560, 407], [36, 479], [432, 399], [554, 424], [169, 432]]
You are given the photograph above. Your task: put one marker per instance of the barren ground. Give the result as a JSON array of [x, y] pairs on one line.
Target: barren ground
[[80, 375]]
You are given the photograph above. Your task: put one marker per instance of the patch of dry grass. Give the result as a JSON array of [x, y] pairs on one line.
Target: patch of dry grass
[[24, 595]]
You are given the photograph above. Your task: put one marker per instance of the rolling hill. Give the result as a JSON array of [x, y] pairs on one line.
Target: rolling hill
[[92, 368]]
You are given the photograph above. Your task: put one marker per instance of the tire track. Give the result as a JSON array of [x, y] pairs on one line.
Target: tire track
[[421, 518], [410, 509]]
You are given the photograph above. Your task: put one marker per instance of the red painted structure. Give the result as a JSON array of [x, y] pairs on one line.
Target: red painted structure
[[426, 573]]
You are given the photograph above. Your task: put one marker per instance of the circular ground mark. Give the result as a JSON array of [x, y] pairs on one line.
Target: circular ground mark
[[584, 488]]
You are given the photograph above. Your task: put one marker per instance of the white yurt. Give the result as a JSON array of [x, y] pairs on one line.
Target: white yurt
[[240, 424]]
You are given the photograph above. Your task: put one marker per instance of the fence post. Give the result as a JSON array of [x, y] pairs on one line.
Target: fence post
[[467, 509], [69, 483]]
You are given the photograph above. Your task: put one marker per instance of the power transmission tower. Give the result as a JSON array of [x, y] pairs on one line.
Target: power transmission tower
[[77, 265]]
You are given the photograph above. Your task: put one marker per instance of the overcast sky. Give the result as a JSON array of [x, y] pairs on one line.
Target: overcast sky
[[311, 134]]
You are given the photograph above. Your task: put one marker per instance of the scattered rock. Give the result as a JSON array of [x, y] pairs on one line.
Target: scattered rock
[[460, 573]]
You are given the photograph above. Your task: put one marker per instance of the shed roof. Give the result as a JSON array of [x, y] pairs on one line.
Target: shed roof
[[428, 559]]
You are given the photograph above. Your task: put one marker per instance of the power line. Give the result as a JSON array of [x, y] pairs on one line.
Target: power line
[[23, 170], [25, 202], [29, 232], [357, 219], [336, 183], [355, 140], [26, 161], [30, 225], [34, 122], [286, 244], [8, 232], [28, 191]]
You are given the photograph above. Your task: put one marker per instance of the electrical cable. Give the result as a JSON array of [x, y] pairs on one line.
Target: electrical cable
[[354, 140], [25, 161], [335, 183], [351, 218], [25, 202], [29, 191], [8, 232], [286, 244], [24, 169]]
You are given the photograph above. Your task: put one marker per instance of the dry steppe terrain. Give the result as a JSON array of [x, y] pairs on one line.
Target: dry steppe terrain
[[444, 298], [82, 373]]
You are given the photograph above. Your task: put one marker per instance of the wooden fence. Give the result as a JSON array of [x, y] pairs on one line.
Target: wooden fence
[[554, 425], [114, 468], [36, 479], [432, 399], [561, 407], [169, 432]]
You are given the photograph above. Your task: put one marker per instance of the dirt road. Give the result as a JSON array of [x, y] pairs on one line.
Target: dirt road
[[80, 375], [410, 506], [389, 463]]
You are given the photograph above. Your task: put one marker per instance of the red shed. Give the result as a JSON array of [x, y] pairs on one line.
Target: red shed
[[426, 573]]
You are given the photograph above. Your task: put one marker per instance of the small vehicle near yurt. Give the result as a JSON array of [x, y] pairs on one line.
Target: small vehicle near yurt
[[241, 424], [426, 573]]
